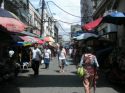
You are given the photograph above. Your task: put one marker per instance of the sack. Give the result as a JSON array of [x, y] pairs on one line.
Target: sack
[[81, 71]]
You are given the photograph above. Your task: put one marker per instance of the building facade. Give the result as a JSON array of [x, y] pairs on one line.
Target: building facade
[[102, 7], [74, 29], [86, 11], [27, 13], [35, 20]]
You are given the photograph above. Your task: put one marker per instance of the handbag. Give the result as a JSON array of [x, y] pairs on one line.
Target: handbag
[[81, 72]]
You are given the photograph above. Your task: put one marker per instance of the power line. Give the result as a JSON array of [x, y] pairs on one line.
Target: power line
[[66, 11], [63, 9], [52, 16], [58, 19], [67, 22]]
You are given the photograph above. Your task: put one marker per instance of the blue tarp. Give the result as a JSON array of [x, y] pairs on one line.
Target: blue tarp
[[115, 17]]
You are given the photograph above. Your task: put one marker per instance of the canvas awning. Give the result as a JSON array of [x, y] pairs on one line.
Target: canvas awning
[[114, 17], [90, 26]]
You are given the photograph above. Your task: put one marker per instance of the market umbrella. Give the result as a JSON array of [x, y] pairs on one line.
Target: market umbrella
[[86, 36], [32, 39], [49, 39], [114, 17], [23, 43], [8, 21], [39, 41], [28, 39]]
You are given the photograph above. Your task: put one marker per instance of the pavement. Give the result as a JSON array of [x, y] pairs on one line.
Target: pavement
[[51, 81]]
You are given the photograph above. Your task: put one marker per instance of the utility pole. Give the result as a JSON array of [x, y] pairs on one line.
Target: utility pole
[[42, 17]]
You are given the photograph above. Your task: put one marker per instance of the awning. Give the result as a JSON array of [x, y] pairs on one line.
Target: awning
[[23, 43], [39, 41], [8, 21], [114, 17], [27, 34], [32, 39], [90, 26], [86, 36], [49, 39], [28, 39]]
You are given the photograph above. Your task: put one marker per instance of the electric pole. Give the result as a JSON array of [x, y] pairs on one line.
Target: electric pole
[[42, 16]]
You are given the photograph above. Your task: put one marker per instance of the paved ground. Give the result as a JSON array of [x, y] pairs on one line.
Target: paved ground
[[51, 81]]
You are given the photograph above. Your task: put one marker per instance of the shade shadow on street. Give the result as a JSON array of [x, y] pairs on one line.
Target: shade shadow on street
[[104, 82], [9, 88], [49, 81]]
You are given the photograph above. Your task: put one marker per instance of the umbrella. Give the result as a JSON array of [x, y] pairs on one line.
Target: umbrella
[[28, 39], [23, 43], [114, 17], [49, 39], [32, 39], [9, 21], [86, 36], [39, 41]]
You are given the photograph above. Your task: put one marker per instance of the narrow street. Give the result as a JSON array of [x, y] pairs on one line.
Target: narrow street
[[51, 81]]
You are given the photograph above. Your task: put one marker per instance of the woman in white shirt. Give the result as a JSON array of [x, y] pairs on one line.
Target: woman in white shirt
[[62, 58]]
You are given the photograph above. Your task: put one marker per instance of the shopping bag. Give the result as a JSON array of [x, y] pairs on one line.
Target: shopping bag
[[42, 61], [81, 71]]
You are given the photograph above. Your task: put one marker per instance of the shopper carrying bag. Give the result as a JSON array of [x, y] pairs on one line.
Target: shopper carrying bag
[[90, 64]]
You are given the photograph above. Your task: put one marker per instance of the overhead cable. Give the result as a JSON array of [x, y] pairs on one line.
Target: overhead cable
[[66, 11], [61, 20]]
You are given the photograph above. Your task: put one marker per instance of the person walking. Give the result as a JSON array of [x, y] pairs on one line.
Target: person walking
[[47, 57], [62, 58], [36, 58], [90, 64], [70, 52]]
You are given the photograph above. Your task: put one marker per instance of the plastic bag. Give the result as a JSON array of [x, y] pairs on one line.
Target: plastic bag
[[81, 71]]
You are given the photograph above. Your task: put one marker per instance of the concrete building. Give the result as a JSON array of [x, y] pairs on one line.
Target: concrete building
[[19, 8], [35, 20], [50, 26], [102, 7], [86, 11], [27, 13], [74, 29]]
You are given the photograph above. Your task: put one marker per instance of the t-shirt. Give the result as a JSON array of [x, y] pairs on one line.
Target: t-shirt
[[47, 53], [36, 54], [62, 54], [11, 52]]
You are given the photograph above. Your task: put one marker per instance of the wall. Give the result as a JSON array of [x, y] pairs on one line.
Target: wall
[[121, 29]]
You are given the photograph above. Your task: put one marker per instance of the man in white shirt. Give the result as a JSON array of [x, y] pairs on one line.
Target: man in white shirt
[[47, 57], [36, 58]]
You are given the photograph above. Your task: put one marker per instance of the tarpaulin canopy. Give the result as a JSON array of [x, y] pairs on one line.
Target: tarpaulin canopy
[[86, 36], [23, 43], [27, 39], [8, 21], [39, 41], [90, 26], [49, 39], [114, 17], [32, 39]]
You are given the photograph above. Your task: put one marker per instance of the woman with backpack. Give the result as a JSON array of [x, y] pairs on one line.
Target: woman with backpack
[[90, 64]]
